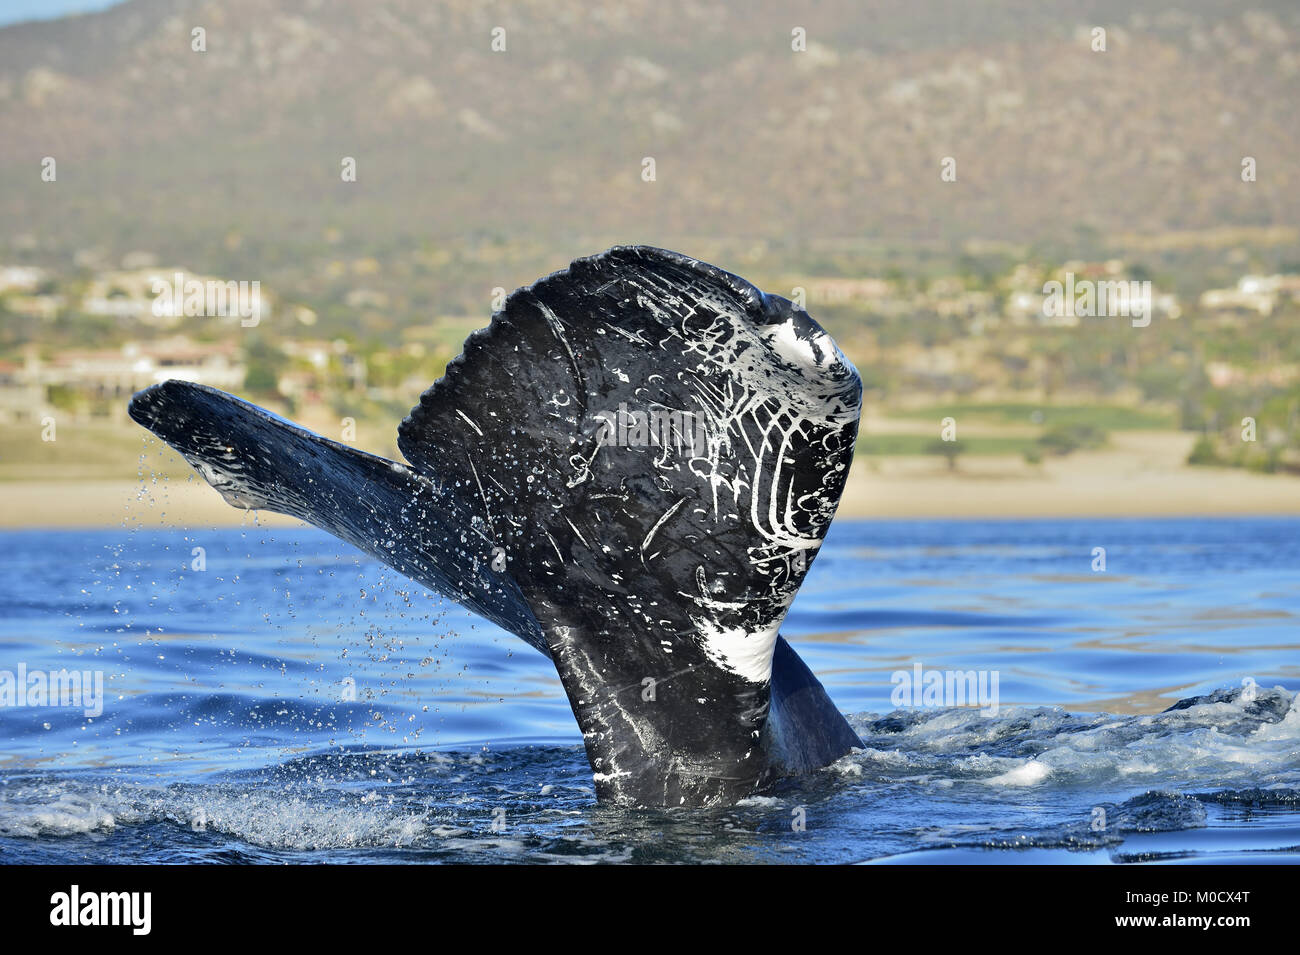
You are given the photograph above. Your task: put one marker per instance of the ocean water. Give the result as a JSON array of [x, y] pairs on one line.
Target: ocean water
[[294, 700]]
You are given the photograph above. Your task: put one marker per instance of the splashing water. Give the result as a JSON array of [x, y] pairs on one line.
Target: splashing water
[[293, 701]]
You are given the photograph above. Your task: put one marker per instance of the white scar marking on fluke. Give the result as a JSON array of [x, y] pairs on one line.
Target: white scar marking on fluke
[[768, 379], [593, 694], [578, 532], [658, 524], [469, 421], [744, 653], [555, 545], [582, 468], [483, 497], [629, 335], [557, 330]]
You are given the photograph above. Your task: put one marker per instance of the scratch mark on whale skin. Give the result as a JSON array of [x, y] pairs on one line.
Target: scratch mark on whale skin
[[660, 523]]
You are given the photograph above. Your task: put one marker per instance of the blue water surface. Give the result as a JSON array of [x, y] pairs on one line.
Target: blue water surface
[[273, 694]]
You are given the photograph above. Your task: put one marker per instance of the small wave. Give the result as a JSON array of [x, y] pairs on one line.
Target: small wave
[[432, 801], [1032, 778], [1230, 738]]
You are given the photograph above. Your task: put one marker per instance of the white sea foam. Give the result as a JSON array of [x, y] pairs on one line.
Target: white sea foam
[[1224, 740]]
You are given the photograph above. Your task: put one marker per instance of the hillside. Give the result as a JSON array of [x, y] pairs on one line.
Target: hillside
[[231, 157]]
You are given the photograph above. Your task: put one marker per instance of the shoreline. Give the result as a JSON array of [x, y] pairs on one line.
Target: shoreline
[[894, 488], [1135, 474]]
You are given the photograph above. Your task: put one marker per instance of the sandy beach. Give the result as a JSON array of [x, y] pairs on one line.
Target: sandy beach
[[1139, 473]]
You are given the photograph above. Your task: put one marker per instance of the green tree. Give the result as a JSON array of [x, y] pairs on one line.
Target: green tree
[[949, 449]]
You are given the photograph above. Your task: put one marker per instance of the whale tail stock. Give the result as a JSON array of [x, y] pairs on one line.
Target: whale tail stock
[[631, 468]]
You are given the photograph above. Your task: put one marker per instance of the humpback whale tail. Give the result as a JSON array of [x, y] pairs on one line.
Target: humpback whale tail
[[631, 468]]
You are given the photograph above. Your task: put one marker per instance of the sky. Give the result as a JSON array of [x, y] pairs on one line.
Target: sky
[[15, 11]]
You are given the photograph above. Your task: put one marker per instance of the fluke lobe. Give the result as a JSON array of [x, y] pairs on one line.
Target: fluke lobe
[[631, 468]]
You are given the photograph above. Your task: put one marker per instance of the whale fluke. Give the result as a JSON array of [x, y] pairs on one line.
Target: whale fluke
[[632, 468]]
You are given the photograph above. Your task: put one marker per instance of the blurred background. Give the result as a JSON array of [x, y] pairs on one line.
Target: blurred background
[[915, 172]]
